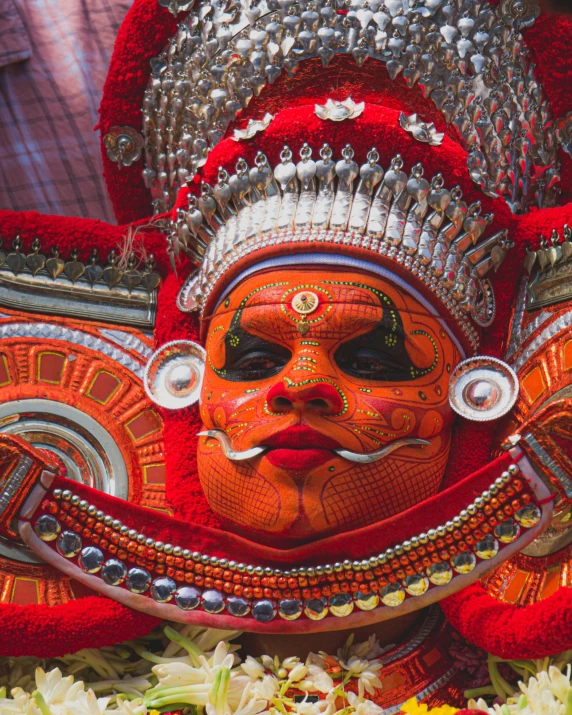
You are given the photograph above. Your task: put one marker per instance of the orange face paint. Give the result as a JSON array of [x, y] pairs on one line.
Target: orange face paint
[[306, 362]]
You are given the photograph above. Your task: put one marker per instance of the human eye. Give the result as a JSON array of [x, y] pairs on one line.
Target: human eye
[[365, 364], [256, 365]]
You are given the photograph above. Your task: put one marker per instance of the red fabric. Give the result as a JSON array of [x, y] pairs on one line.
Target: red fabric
[[508, 631], [52, 631], [541, 222], [69, 232], [357, 544], [142, 36]]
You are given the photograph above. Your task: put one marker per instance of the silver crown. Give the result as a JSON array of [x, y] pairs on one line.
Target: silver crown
[[467, 56], [421, 225]]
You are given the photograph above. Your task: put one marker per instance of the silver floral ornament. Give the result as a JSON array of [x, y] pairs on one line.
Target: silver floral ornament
[[483, 388], [254, 127], [339, 111], [177, 6], [420, 130], [523, 12], [563, 129], [124, 145], [174, 374]]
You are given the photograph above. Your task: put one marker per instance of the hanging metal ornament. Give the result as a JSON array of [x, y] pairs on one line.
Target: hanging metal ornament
[[483, 388], [174, 374]]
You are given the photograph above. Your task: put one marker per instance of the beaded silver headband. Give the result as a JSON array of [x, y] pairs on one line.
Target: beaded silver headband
[[394, 218]]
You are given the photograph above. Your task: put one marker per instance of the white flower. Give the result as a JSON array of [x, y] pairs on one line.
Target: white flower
[[290, 663], [369, 649], [316, 680], [363, 707], [87, 703], [266, 688], [21, 703], [540, 697], [480, 704], [252, 668], [176, 674], [57, 695], [316, 659], [248, 704], [556, 682], [211, 683], [130, 707], [366, 671], [268, 662], [56, 689], [297, 673], [321, 707]]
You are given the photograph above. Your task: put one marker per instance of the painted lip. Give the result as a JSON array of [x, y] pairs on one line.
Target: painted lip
[[300, 448], [301, 437]]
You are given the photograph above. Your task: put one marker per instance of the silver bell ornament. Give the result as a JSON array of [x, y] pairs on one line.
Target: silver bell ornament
[[174, 374], [483, 388]]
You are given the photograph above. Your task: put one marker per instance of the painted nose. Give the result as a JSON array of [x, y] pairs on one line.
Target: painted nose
[[318, 397]]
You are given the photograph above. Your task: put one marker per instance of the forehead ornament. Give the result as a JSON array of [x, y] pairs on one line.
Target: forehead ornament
[[304, 303], [483, 389]]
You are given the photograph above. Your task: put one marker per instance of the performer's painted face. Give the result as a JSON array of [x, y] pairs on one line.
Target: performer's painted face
[[310, 361]]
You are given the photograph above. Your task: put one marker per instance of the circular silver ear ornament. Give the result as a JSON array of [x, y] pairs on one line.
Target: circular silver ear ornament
[[483, 388], [174, 374]]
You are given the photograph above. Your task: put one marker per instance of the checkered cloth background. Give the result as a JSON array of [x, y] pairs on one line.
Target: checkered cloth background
[[54, 56]]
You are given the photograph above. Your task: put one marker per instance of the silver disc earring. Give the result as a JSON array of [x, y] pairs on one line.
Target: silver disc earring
[[174, 374], [483, 388]]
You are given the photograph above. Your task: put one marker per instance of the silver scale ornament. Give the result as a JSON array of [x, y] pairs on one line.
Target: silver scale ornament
[[419, 223], [468, 56]]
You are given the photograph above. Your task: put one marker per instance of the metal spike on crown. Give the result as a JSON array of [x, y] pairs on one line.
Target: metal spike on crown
[[550, 269], [417, 223]]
